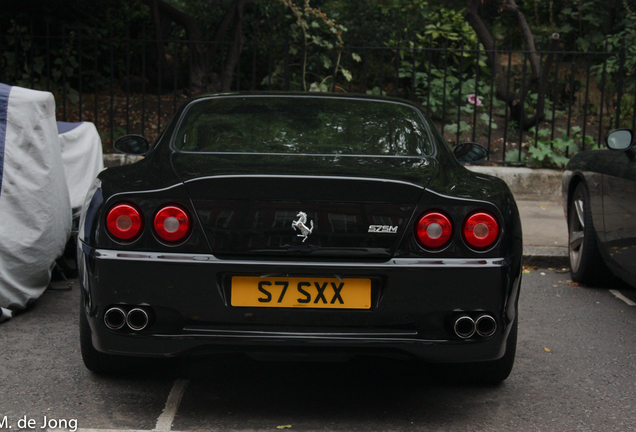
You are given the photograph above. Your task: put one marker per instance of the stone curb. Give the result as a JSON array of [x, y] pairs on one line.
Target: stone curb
[[534, 184], [545, 256]]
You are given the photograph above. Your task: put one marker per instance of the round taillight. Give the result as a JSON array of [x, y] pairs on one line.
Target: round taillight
[[481, 230], [124, 222], [172, 224], [433, 230]]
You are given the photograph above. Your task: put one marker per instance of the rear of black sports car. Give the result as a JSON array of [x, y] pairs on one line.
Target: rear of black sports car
[[300, 225]]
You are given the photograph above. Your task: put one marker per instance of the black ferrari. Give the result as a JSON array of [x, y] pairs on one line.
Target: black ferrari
[[599, 200], [298, 226]]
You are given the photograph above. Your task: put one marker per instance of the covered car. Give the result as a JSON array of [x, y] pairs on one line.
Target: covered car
[[300, 225], [34, 198]]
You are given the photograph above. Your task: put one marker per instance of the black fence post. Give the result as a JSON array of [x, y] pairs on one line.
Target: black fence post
[[586, 101], [127, 79], [476, 91], [490, 109], [335, 70], [600, 121], [80, 55], [63, 71], [111, 50], [96, 81], [286, 85], [413, 74], [48, 57], [570, 103], [365, 60], [32, 55], [619, 88], [444, 85], [508, 111], [143, 80], [459, 92], [555, 94]]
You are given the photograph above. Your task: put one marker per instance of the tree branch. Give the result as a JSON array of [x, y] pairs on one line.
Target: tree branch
[[528, 38], [474, 19]]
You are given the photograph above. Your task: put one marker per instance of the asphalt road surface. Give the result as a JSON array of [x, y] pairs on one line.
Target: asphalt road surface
[[575, 371]]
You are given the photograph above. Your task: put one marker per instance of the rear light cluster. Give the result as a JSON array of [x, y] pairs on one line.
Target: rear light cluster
[[434, 230], [171, 223]]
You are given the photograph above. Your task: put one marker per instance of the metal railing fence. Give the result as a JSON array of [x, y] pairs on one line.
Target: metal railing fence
[[119, 83]]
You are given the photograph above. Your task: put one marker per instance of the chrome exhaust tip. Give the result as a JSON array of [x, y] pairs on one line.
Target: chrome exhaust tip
[[464, 327], [137, 319], [115, 318], [485, 326]]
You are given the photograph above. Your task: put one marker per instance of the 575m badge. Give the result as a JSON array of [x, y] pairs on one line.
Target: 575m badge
[[383, 229]]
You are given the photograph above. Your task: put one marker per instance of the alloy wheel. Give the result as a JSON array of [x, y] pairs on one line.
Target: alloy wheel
[[576, 227]]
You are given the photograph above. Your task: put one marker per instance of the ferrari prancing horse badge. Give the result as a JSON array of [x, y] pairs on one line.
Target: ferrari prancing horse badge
[[301, 224]]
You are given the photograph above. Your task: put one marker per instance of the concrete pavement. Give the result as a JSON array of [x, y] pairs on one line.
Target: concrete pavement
[[538, 196]]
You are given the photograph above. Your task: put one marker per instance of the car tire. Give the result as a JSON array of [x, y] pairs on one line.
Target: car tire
[[586, 264], [94, 360]]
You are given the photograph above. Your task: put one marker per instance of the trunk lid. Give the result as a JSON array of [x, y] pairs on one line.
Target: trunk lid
[[286, 206]]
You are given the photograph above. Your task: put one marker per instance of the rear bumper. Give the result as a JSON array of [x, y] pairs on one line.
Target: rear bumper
[[188, 300]]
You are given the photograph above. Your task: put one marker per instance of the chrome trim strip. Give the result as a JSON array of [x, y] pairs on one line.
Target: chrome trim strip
[[127, 193], [328, 155], [275, 334], [294, 177], [211, 259]]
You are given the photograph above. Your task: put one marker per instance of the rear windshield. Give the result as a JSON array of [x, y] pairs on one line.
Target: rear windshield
[[318, 125]]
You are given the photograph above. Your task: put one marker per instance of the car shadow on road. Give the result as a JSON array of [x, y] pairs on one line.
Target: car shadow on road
[[235, 391]]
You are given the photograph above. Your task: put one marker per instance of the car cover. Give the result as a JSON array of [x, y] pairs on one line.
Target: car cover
[[83, 159], [35, 207]]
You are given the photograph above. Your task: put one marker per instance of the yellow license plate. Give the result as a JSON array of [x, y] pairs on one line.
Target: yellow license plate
[[349, 293]]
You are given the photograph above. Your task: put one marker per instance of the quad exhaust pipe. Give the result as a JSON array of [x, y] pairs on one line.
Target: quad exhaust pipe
[[466, 327], [485, 326], [115, 318], [135, 319]]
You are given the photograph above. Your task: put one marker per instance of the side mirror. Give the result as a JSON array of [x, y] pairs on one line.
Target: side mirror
[[132, 144], [619, 139], [470, 152]]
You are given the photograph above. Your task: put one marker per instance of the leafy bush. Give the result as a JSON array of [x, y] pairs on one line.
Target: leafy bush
[[315, 51], [28, 65], [479, 123], [552, 152]]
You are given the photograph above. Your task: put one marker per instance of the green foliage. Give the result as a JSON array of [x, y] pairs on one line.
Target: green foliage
[[440, 78], [33, 67], [556, 152], [617, 68], [315, 50], [117, 132], [435, 27], [462, 128], [478, 122], [367, 22], [428, 23], [594, 26]]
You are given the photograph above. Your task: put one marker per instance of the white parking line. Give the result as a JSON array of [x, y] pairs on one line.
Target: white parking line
[[104, 430], [620, 296], [164, 422]]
